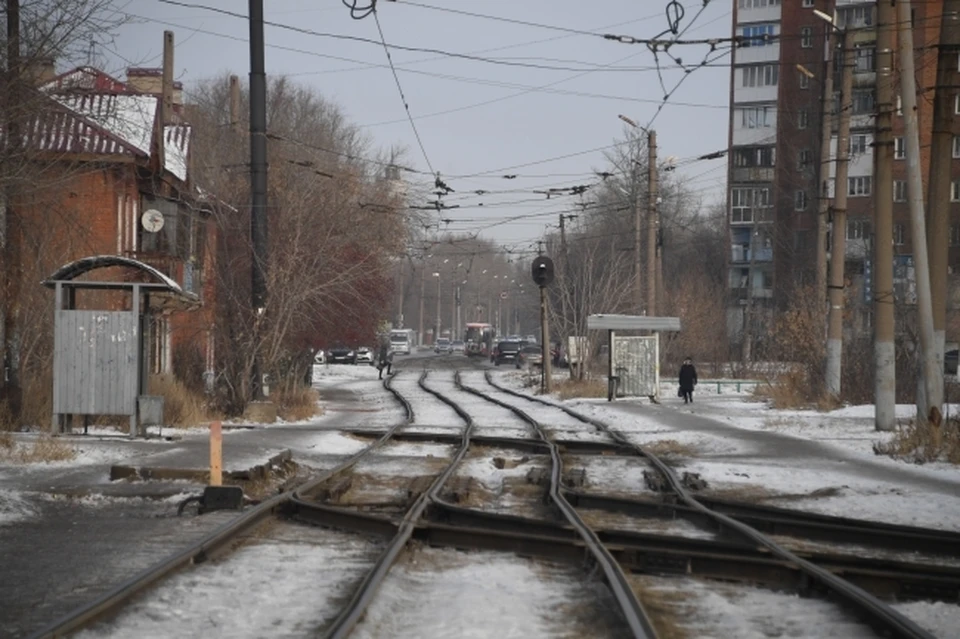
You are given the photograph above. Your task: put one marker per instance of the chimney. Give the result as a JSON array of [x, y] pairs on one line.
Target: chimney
[[166, 102], [39, 71]]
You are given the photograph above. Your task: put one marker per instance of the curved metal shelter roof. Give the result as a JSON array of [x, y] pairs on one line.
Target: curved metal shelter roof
[[162, 283]]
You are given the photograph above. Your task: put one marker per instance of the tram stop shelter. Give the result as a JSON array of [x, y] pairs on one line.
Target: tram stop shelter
[[634, 361], [101, 357]]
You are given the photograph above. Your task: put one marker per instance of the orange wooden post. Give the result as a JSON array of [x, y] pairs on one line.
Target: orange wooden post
[[216, 454]]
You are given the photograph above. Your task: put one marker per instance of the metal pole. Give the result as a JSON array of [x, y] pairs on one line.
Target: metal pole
[[10, 226], [436, 334], [400, 297], [652, 195], [258, 180], [823, 170], [545, 369], [423, 271], [838, 250], [637, 262], [883, 348], [939, 186], [932, 378]]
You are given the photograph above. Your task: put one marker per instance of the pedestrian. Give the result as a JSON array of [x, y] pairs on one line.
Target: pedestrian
[[384, 359], [688, 379]]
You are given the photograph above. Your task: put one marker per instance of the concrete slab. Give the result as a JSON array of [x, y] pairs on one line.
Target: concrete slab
[[176, 465]]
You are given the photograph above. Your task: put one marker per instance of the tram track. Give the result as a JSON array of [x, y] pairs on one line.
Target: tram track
[[878, 615]]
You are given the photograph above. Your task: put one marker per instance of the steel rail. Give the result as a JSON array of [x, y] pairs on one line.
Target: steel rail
[[200, 551], [367, 589], [635, 616], [876, 613]]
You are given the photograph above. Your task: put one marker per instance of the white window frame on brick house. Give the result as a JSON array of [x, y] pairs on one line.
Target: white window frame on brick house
[[807, 4], [955, 191], [858, 144], [803, 159], [806, 37], [899, 191], [859, 186], [803, 119], [856, 229], [956, 104], [954, 235], [956, 146], [805, 80], [899, 148]]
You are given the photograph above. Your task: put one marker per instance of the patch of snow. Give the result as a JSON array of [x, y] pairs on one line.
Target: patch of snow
[[251, 593], [484, 470], [717, 611], [332, 443], [938, 618], [14, 507]]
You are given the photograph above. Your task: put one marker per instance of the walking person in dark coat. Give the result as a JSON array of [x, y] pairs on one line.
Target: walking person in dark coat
[[384, 358], [688, 379]]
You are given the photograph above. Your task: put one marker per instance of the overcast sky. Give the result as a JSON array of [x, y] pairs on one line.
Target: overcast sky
[[477, 119]]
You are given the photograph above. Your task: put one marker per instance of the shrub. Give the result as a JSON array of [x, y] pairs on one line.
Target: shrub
[[297, 404], [573, 388], [43, 449], [920, 443], [182, 406]]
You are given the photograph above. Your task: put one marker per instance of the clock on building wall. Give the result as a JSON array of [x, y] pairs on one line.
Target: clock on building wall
[[152, 220]]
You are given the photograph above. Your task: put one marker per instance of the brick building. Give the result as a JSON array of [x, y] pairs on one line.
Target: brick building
[[775, 143], [103, 155]]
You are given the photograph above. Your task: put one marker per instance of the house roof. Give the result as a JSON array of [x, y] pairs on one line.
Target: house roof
[[101, 114]]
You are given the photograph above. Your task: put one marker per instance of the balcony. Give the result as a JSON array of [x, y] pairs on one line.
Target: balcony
[[753, 174], [741, 254]]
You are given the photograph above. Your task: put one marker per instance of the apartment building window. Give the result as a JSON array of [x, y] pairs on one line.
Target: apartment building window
[[800, 201], [755, 157], [756, 117], [806, 37], [757, 35], [898, 233], [854, 17], [763, 75], [863, 101], [747, 204], [900, 191], [956, 105], [803, 159], [955, 191], [858, 144], [803, 119], [758, 4], [955, 236], [899, 105], [859, 186], [856, 229], [807, 4], [866, 60], [956, 147], [805, 80], [900, 149]]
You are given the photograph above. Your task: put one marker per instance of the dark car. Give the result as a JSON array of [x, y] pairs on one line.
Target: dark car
[[507, 352], [530, 356], [342, 355]]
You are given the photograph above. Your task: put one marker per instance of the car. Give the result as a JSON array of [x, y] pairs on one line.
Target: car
[[507, 352], [442, 345], [530, 356], [365, 355], [342, 355], [458, 346]]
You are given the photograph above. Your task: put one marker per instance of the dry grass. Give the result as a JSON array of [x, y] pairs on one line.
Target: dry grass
[[573, 388], [298, 405], [42, 449], [669, 447], [183, 407], [7, 422], [667, 608], [922, 443], [793, 390]]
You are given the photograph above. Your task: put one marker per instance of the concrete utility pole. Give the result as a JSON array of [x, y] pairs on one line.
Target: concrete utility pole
[[838, 250], [545, 367], [436, 334], [652, 195], [746, 354], [823, 170], [932, 378], [423, 270], [883, 299], [400, 296], [10, 228], [938, 199], [235, 104], [258, 182], [637, 261]]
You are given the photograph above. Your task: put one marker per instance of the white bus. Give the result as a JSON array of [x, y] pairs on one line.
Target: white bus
[[401, 340]]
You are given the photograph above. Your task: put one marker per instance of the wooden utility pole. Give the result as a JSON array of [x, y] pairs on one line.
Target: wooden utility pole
[[938, 199], [652, 196], [823, 170], [10, 227], [908, 92], [883, 299], [839, 244]]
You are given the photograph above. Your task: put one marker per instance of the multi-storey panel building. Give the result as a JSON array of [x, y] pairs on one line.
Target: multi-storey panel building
[[775, 175]]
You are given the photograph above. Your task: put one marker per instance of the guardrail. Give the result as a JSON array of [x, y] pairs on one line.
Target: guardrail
[[738, 384]]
